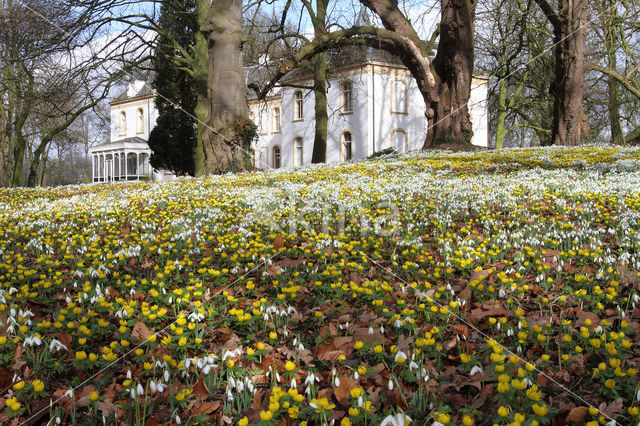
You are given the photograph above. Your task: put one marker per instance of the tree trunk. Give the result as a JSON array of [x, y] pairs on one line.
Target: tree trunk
[[320, 106], [454, 65], [610, 34], [319, 63], [502, 114], [445, 85], [227, 94], [568, 85]]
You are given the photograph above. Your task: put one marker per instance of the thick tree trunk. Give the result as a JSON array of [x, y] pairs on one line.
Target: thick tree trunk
[[610, 35], [321, 115], [226, 89], [319, 63], [454, 65], [568, 85], [445, 85]]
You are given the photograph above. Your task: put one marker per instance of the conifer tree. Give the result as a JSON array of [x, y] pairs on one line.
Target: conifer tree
[[173, 139]]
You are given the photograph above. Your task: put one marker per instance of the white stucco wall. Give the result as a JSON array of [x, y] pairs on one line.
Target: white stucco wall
[[130, 109]]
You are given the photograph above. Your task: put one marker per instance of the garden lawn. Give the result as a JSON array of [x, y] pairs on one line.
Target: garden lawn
[[495, 287]]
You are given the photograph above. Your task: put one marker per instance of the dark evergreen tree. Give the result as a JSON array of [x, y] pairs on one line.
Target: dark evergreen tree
[[173, 139]]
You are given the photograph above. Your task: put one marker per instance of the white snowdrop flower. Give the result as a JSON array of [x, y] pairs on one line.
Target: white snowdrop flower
[[240, 386], [528, 381], [301, 347], [502, 293], [599, 329], [360, 401], [140, 389], [166, 375], [69, 393], [229, 395], [413, 366], [510, 332], [313, 405], [206, 369], [476, 369], [177, 419], [356, 376], [611, 423], [58, 420], [129, 374], [132, 392], [390, 384], [499, 325], [32, 341], [399, 419], [153, 387], [277, 377], [232, 383], [382, 329], [638, 396], [336, 382], [370, 330], [56, 346], [399, 355], [293, 385], [397, 323]]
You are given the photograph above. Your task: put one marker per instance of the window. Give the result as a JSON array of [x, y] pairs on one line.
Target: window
[[398, 97], [298, 157], [298, 106], [140, 121], [263, 125], [346, 151], [399, 141], [123, 123], [276, 119], [276, 157], [347, 96]]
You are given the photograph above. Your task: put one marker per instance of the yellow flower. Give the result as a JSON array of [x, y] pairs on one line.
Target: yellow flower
[[444, 418], [38, 385], [266, 415], [94, 396], [467, 421], [345, 421], [13, 403], [293, 412], [359, 345], [19, 385], [465, 358], [321, 404], [503, 411], [290, 366], [378, 349], [260, 346], [243, 421], [610, 383], [81, 355], [273, 335], [540, 410], [230, 363]]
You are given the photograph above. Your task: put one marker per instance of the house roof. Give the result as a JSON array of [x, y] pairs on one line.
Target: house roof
[[133, 143], [137, 89]]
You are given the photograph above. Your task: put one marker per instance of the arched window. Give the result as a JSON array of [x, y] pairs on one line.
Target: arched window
[[398, 97], [298, 151], [123, 123], [298, 106], [347, 96], [399, 141], [276, 120], [276, 157], [346, 150], [139, 121]]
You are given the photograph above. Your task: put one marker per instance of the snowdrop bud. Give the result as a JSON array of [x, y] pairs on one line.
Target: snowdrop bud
[[336, 381], [129, 374], [360, 402], [638, 396], [140, 389], [177, 420], [475, 369], [206, 369], [356, 375], [390, 384], [294, 385], [382, 329], [370, 330], [277, 377], [58, 420], [166, 375], [133, 393], [153, 386]]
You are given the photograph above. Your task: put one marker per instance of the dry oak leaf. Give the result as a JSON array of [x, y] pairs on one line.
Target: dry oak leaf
[[140, 331], [206, 407], [343, 392], [577, 414]]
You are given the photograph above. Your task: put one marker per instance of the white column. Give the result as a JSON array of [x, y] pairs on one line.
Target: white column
[[138, 165], [126, 165], [93, 168]]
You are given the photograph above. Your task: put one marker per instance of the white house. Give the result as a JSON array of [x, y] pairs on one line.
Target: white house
[[373, 104], [126, 155]]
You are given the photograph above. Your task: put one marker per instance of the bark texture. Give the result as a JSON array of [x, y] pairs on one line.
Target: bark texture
[[568, 86], [226, 90]]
